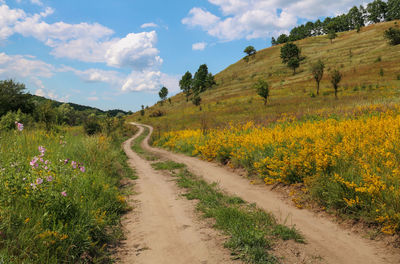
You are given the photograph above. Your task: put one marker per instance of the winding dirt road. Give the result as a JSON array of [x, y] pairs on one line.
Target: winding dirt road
[[324, 238], [163, 227]]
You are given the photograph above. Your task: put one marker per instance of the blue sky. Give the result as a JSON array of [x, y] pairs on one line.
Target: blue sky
[[118, 54]]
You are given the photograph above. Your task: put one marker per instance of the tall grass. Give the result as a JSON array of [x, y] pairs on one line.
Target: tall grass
[[60, 203]]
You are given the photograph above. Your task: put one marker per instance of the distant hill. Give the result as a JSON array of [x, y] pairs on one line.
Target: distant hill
[[78, 107], [371, 75]]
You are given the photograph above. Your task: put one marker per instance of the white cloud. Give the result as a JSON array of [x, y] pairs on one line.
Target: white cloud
[[8, 17], [37, 2], [51, 94], [18, 66], [199, 46], [260, 18], [93, 98], [149, 25], [135, 51]]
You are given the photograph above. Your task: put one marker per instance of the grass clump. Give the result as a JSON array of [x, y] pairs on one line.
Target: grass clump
[[252, 231]]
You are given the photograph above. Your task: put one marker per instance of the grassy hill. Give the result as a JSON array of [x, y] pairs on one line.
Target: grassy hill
[[361, 57]]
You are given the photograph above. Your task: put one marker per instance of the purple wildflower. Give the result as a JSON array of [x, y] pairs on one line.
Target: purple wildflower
[[46, 168], [49, 178], [34, 161], [66, 161], [46, 162], [39, 181], [42, 150], [82, 168], [64, 193], [73, 163], [20, 126], [33, 186]]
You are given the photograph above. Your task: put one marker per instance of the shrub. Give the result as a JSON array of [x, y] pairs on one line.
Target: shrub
[[157, 113], [393, 36]]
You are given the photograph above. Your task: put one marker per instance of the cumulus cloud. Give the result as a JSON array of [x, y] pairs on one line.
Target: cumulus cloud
[[149, 25], [18, 66], [51, 94], [199, 46], [260, 18], [136, 51]]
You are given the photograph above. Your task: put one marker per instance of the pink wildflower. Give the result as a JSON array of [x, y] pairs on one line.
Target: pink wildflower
[[39, 181], [82, 169], [73, 163], [20, 126], [49, 178], [64, 193], [34, 161]]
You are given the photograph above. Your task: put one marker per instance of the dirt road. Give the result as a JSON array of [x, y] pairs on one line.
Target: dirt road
[[325, 238], [163, 227]]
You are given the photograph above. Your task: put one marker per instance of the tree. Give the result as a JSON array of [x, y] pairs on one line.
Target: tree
[[336, 77], [376, 11], [273, 41], [356, 18], [13, 97], [142, 111], [282, 39], [262, 89], [250, 50], [196, 100], [291, 56], [210, 81], [186, 84], [393, 35], [202, 80], [317, 70], [332, 35], [393, 10], [163, 93]]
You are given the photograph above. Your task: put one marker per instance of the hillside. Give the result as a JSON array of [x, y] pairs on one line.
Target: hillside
[[359, 56]]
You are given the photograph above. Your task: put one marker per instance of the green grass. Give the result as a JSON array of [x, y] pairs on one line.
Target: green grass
[[38, 224], [252, 232]]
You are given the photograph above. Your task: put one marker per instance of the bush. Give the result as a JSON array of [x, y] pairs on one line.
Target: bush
[[91, 126], [7, 122], [393, 35], [157, 113]]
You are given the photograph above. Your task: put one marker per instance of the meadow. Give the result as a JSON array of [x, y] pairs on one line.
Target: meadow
[[60, 200], [348, 163]]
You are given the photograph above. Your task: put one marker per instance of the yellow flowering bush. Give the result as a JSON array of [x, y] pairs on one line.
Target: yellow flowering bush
[[350, 164]]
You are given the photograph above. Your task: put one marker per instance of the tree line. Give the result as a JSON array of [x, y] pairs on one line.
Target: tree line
[[357, 17]]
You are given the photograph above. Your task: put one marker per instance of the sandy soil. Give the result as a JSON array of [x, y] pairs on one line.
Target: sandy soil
[[163, 227], [325, 238]]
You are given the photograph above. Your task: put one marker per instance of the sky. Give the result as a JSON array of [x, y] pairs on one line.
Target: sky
[[118, 54]]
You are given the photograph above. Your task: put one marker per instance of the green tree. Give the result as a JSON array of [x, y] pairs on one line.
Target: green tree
[[291, 56], [393, 35], [163, 93], [332, 35], [46, 113], [13, 97], [262, 89], [336, 77], [393, 10], [196, 100], [200, 83], [317, 70], [66, 114], [186, 84], [142, 111], [356, 18], [376, 11], [250, 51]]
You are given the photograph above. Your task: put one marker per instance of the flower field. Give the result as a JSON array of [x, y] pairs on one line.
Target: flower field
[[59, 199], [351, 164]]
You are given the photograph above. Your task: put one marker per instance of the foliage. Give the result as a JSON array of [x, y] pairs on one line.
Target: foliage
[[59, 202], [262, 89], [142, 111], [336, 77], [186, 84], [13, 97], [351, 165], [291, 55], [92, 125], [317, 70], [196, 100], [393, 10], [157, 113], [393, 36], [377, 11], [163, 93], [202, 80], [250, 51], [332, 35]]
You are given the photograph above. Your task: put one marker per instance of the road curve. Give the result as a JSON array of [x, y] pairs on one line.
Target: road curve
[[324, 238]]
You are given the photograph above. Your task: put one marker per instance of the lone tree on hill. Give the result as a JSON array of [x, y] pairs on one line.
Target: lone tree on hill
[[291, 56], [142, 111], [186, 84], [317, 70], [336, 77], [250, 51], [262, 89], [393, 35], [163, 94]]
